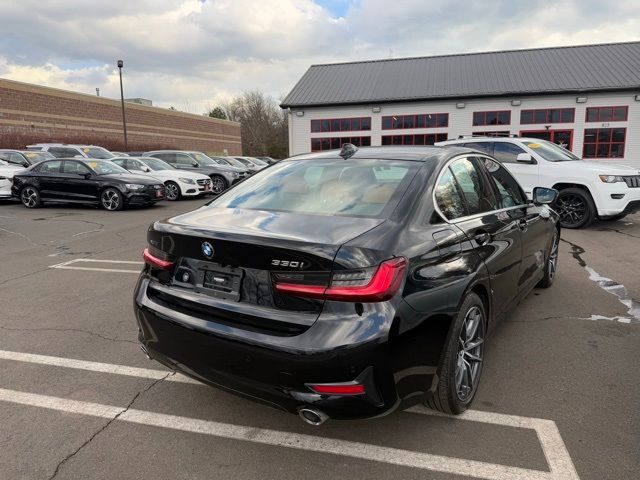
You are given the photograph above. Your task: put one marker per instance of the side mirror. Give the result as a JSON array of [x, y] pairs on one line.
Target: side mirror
[[544, 196], [195, 164], [85, 175], [525, 158], [25, 164], [145, 169]]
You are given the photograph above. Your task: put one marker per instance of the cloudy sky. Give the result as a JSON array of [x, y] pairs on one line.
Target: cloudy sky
[[193, 53]]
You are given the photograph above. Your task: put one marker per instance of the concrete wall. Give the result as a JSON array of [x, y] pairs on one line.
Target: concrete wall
[[53, 115], [460, 120]]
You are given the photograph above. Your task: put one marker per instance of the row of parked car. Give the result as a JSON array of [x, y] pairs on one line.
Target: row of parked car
[[54, 172]]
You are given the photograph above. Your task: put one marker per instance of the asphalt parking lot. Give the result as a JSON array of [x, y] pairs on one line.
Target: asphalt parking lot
[[558, 399]]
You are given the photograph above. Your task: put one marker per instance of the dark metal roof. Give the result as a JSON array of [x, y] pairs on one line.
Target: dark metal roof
[[587, 68]]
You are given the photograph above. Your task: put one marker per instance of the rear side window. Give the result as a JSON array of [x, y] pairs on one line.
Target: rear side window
[[49, 167], [506, 152], [360, 188], [167, 157], [509, 192], [477, 194], [486, 147], [448, 197]]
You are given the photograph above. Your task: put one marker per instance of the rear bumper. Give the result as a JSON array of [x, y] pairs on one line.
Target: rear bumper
[[270, 369]]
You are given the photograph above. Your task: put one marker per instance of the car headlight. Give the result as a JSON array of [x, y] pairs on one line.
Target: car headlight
[[135, 186], [611, 178], [235, 174], [190, 181]]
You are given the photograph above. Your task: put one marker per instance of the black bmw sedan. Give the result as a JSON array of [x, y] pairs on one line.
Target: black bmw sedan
[[347, 284], [91, 181]]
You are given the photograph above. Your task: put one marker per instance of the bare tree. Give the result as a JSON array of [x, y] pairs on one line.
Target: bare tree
[[264, 124]]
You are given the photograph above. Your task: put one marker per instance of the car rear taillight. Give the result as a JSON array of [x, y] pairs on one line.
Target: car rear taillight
[[373, 284], [338, 388], [153, 260]]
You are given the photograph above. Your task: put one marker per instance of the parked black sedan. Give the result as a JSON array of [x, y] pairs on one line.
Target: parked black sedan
[[91, 181], [347, 284]]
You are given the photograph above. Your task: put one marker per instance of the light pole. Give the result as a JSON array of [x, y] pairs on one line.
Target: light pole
[[124, 117]]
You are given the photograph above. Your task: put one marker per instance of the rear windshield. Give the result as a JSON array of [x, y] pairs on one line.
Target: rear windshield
[[361, 188]]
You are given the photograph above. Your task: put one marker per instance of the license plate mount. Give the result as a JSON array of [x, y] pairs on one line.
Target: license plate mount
[[219, 281]]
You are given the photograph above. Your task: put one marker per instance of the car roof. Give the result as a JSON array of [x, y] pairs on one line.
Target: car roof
[[415, 154], [492, 139]]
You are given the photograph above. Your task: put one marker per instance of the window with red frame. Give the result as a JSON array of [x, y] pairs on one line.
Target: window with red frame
[[501, 117], [548, 115], [421, 139], [341, 124], [604, 142], [494, 133], [421, 120], [334, 143], [607, 114]]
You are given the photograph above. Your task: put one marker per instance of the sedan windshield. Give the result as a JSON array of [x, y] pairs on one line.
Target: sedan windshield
[[156, 164], [105, 168], [235, 163], [97, 152], [245, 162], [259, 162], [35, 157], [550, 151], [361, 188]]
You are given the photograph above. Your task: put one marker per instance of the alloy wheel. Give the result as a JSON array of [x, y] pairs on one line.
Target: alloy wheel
[[470, 353], [217, 185], [110, 200], [171, 191], [572, 209], [29, 197]]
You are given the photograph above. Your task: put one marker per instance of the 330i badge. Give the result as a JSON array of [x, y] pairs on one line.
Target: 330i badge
[[347, 284]]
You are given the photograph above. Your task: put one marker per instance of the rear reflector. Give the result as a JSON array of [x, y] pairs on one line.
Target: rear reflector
[[338, 389], [155, 262], [375, 286]]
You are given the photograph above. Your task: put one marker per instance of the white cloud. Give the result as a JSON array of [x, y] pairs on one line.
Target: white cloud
[[193, 53]]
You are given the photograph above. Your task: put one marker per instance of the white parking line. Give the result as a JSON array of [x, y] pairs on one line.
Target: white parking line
[[71, 265], [152, 374], [395, 456], [560, 464]]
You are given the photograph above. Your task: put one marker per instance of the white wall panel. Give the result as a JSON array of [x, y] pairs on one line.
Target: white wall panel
[[460, 119]]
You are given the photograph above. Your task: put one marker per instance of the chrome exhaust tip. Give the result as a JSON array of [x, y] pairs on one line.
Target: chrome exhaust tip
[[312, 416], [144, 350]]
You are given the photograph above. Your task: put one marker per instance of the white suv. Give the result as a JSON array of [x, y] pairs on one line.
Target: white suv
[[587, 189], [63, 150]]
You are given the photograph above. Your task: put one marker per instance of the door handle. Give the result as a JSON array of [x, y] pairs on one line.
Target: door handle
[[523, 224], [482, 237]]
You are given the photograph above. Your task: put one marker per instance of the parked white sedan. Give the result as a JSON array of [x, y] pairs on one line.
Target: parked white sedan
[[7, 171], [177, 183]]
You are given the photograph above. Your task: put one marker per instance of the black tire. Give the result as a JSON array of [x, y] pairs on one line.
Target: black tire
[[30, 197], [172, 191], [576, 208], [218, 184], [450, 396], [613, 218], [111, 199], [551, 265]]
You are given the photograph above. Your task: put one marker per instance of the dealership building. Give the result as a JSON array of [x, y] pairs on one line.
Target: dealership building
[[585, 98]]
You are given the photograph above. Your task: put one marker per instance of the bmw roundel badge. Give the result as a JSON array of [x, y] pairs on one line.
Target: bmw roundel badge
[[207, 249]]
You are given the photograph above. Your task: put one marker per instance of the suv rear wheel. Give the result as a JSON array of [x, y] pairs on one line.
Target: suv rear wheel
[[576, 208]]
